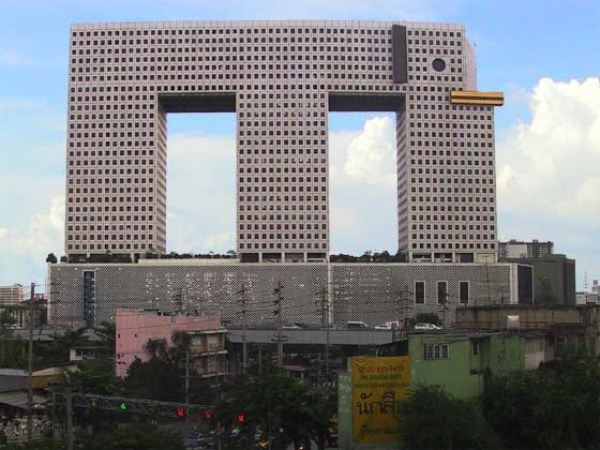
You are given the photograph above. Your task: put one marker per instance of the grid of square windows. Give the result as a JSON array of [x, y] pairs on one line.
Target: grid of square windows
[[281, 74]]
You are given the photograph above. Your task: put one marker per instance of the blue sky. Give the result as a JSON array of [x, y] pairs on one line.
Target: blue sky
[[543, 55]]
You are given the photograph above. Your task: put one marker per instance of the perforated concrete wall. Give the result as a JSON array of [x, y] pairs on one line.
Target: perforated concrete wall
[[373, 293]]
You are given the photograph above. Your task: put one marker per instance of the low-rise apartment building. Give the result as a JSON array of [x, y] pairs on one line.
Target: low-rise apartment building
[[134, 328]]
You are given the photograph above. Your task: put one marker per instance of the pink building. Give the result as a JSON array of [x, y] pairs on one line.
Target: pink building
[[135, 327]]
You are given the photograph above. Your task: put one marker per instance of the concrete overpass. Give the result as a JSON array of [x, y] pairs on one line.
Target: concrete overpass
[[315, 336]]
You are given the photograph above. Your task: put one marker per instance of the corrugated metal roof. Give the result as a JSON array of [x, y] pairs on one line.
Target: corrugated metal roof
[[18, 399]]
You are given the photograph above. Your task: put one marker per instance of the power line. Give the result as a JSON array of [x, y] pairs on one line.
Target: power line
[[278, 313]]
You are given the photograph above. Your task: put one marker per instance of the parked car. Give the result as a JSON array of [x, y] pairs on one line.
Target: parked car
[[426, 326], [388, 325], [356, 324]]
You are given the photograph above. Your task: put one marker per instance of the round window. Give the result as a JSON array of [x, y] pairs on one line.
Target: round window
[[438, 65]]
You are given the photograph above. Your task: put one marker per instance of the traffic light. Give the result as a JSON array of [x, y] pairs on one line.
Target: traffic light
[[122, 406], [207, 414], [241, 417], [94, 402], [180, 413]]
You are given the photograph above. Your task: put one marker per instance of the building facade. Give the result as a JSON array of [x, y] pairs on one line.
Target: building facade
[[553, 278], [87, 294], [135, 327], [520, 249], [281, 78], [567, 326], [458, 361], [11, 295]]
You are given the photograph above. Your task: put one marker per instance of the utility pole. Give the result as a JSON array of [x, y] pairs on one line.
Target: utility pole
[[487, 281], [242, 302], [278, 313], [404, 306], [325, 308], [187, 383], [50, 311], [69, 427], [260, 359], [30, 369], [178, 299], [53, 412]]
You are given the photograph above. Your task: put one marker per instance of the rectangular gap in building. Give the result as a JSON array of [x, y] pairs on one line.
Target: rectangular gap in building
[[201, 183], [362, 182]]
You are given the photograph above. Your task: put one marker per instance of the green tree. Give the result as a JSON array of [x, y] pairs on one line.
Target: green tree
[[161, 377], [157, 378], [11, 349], [96, 378], [425, 318], [56, 352], [41, 444], [132, 437], [182, 342], [281, 409], [51, 258], [557, 407], [107, 332], [433, 419]]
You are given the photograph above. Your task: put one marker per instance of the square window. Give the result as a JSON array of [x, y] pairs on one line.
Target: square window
[[463, 292], [419, 292]]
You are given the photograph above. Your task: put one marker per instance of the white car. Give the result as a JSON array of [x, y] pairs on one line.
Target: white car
[[388, 325], [426, 326]]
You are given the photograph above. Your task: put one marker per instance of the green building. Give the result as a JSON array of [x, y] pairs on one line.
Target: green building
[[456, 360], [459, 361]]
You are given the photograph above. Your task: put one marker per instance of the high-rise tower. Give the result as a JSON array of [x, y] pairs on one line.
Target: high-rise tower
[[281, 78]]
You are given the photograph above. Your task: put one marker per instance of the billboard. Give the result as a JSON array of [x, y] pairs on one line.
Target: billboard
[[379, 384]]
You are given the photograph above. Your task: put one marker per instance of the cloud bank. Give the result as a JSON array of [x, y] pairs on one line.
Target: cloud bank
[[551, 165], [548, 181], [201, 203], [25, 250], [549, 172]]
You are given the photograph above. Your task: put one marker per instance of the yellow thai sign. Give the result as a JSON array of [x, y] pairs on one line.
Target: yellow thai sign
[[379, 384]]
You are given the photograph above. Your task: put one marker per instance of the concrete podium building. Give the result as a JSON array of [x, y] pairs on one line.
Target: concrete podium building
[[314, 293], [281, 78]]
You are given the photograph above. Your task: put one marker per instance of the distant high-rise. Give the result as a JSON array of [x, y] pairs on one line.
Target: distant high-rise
[[281, 78], [520, 249], [11, 295]]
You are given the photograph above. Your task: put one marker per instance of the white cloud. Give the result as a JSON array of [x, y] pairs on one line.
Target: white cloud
[[21, 103], [517, 95], [202, 184], [201, 193], [12, 58], [549, 172], [551, 164], [363, 188], [28, 248], [367, 157], [221, 241], [44, 233]]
